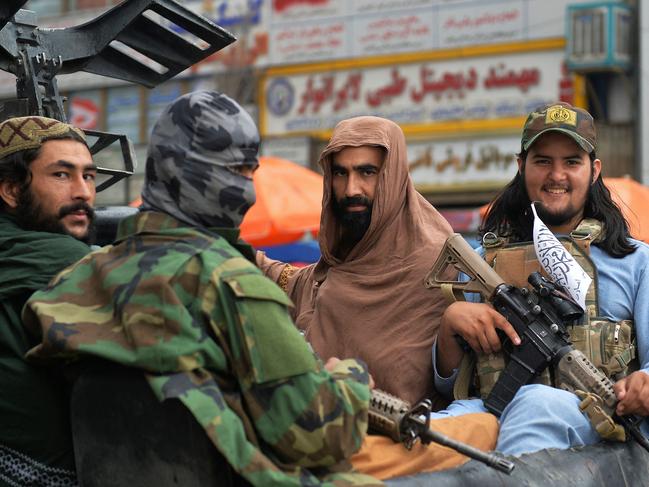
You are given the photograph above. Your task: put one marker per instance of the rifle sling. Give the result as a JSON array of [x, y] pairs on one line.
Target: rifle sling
[[606, 427], [464, 376]]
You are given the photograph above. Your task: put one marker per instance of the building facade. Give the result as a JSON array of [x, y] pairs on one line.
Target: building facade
[[459, 76]]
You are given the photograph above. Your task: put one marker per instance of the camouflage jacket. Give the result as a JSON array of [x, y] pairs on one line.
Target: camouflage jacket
[[199, 319]]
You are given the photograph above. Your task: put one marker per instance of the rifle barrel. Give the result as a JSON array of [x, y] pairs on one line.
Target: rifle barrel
[[492, 459]]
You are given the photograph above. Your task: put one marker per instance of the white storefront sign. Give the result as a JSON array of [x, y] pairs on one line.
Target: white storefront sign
[[480, 88], [305, 31], [486, 23], [476, 162]]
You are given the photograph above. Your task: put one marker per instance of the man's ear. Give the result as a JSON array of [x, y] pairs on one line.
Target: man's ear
[[520, 163], [9, 193], [597, 169]]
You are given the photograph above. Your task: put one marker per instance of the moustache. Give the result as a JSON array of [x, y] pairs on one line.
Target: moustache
[[74, 207], [355, 201]]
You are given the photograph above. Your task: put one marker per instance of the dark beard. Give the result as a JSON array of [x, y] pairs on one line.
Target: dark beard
[[30, 216], [354, 223], [552, 219]]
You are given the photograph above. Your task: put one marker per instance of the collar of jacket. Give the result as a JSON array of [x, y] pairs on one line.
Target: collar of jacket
[[155, 222]]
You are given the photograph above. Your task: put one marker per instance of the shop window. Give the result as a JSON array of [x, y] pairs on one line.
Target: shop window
[[123, 112]]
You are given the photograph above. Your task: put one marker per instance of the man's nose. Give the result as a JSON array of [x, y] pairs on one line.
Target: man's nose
[[353, 187], [83, 189], [557, 172]]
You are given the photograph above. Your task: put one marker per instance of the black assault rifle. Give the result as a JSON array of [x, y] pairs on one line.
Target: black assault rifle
[[539, 316]]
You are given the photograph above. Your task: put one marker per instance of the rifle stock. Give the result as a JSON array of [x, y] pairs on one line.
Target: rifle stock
[[459, 254]]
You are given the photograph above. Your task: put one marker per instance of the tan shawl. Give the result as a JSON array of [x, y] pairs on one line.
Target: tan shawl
[[373, 305]]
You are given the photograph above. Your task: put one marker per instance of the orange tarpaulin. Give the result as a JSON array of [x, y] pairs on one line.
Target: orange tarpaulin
[[632, 198], [289, 199]]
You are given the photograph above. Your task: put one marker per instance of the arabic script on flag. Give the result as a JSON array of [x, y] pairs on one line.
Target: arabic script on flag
[[558, 262]]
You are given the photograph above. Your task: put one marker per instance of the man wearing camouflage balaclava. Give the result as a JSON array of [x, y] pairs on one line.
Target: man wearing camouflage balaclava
[[179, 297], [200, 150]]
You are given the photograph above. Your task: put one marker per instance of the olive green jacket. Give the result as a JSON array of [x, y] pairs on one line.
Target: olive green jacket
[[34, 419]]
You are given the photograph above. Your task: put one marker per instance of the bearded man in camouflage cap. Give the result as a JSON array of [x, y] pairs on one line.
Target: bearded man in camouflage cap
[[47, 189], [558, 170], [179, 296]]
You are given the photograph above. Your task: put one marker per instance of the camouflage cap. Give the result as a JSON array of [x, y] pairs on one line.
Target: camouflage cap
[[562, 117], [23, 133]]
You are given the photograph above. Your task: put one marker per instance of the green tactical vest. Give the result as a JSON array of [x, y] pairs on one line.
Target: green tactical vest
[[609, 345]]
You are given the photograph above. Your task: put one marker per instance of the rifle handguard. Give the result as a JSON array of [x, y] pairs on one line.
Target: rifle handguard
[[386, 412], [391, 416]]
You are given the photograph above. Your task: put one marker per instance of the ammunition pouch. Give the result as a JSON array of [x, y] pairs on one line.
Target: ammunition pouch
[[609, 345]]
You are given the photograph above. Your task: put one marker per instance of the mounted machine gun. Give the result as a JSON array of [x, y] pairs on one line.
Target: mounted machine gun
[[131, 42]]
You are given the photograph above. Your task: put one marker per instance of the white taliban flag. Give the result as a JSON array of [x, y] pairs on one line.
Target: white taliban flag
[[558, 263]]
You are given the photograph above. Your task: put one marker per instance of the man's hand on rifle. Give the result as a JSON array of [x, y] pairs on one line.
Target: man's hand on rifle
[[476, 323], [633, 394]]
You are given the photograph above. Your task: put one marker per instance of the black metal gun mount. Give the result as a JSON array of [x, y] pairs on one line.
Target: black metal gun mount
[[132, 41]]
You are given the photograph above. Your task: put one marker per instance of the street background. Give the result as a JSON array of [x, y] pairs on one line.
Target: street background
[[459, 76]]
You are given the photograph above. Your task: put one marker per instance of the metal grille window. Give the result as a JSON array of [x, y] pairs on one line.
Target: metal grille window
[[623, 26], [589, 33]]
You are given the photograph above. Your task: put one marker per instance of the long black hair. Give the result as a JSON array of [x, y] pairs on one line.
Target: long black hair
[[509, 215]]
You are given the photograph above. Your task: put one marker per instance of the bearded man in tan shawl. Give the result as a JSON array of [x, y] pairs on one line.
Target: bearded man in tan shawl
[[365, 297], [379, 237]]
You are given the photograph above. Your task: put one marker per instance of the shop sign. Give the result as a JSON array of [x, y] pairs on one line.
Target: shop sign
[[309, 41], [481, 88], [295, 149], [306, 31], [470, 163], [293, 10], [123, 112], [399, 32], [485, 23], [85, 110]]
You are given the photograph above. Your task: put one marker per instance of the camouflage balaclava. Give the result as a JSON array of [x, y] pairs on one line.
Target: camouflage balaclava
[[193, 147]]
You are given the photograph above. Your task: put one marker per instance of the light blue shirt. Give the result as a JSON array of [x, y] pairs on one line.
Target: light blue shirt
[[623, 294]]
